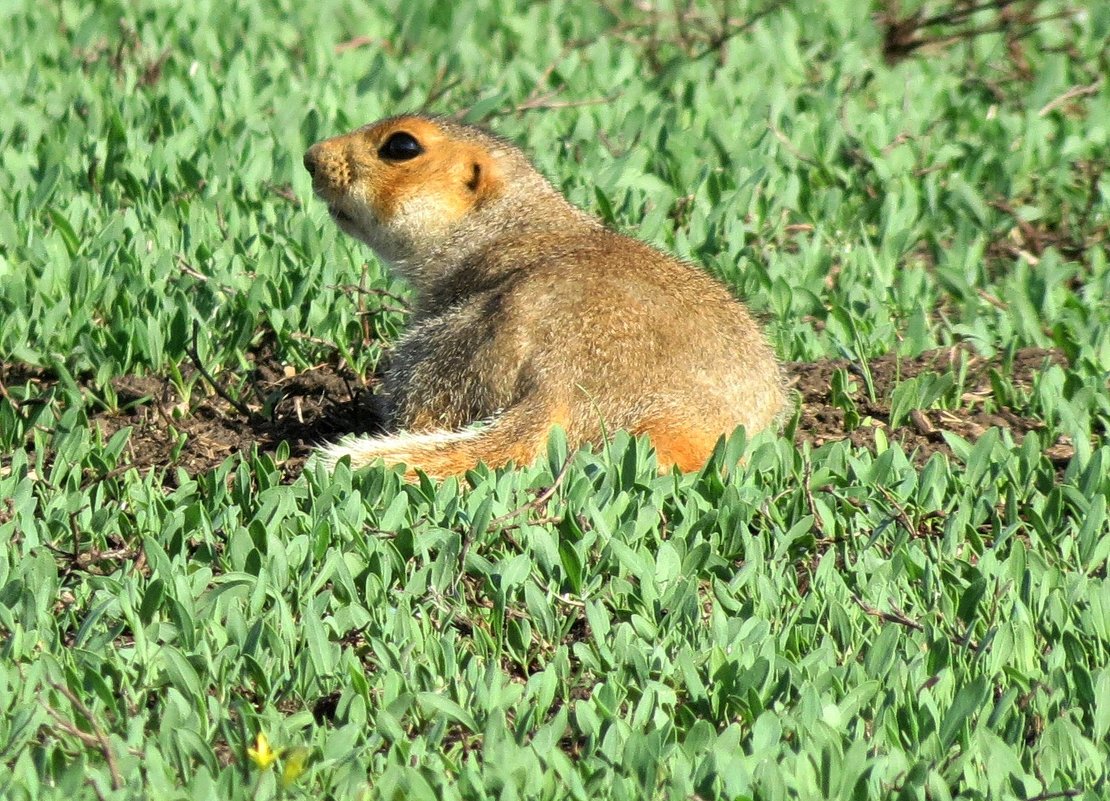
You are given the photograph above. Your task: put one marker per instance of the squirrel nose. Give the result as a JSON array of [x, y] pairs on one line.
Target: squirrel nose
[[310, 161]]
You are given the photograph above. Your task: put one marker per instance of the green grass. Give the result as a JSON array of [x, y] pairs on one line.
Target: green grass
[[833, 622]]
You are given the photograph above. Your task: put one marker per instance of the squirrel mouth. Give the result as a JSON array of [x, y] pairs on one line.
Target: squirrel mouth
[[339, 215], [334, 201]]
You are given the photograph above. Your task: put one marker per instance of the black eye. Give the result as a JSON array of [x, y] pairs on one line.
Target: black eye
[[400, 146]]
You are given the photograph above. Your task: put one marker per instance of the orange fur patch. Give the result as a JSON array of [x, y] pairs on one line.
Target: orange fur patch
[[437, 180], [679, 444]]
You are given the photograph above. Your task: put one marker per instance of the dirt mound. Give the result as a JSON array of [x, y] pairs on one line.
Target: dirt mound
[[323, 403]]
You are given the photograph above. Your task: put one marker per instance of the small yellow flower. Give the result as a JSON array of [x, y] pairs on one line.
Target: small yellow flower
[[294, 764], [262, 755]]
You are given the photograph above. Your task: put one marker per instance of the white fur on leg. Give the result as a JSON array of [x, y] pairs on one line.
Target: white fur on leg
[[396, 448]]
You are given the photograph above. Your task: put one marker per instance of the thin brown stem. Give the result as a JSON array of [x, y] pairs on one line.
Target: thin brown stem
[[191, 349], [95, 739]]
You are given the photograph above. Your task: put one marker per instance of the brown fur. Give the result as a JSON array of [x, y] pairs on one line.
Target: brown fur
[[530, 314]]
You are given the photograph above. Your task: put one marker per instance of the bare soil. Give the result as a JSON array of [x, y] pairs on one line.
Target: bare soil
[[822, 422], [324, 403]]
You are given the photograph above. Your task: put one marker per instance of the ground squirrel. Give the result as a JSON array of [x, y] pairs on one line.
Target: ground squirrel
[[529, 313]]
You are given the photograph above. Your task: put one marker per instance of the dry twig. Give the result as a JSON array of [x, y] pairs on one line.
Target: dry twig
[[95, 739], [191, 349], [1071, 94], [498, 522]]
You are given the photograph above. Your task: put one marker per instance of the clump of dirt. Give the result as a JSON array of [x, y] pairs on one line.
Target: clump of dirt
[[313, 406]]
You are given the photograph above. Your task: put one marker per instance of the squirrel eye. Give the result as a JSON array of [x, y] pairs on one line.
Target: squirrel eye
[[400, 146]]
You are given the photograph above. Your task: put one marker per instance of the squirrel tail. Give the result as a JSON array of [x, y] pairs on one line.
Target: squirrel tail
[[518, 434]]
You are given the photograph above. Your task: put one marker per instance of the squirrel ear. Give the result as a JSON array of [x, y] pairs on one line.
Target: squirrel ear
[[475, 179], [481, 179]]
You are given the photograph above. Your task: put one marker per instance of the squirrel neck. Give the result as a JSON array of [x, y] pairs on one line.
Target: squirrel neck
[[435, 270]]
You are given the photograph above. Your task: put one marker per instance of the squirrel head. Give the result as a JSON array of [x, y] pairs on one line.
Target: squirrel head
[[404, 185]]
